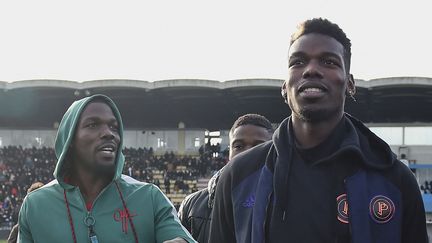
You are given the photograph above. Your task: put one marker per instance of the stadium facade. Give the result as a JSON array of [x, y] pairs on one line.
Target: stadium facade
[[174, 115]]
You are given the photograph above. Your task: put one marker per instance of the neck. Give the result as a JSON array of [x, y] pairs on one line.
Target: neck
[[90, 184], [311, 134]]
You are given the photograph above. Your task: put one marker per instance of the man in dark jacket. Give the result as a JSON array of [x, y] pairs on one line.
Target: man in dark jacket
[[324, 177], [247, 131]]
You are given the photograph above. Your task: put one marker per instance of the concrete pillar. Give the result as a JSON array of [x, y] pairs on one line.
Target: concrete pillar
[[181, 139]]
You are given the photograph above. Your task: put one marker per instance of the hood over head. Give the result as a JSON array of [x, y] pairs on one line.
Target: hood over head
[[66, 132]]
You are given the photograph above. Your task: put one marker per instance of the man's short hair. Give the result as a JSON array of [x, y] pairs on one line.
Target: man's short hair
[[325, 27], [34, 186], [252, 119]]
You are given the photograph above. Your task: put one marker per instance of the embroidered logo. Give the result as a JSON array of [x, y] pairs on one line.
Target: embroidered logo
[[249, 202], [342, 208], [121, 215], [381, 209]]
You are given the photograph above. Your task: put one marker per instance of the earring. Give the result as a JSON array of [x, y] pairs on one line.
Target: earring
[[284, 95], [351, 95]]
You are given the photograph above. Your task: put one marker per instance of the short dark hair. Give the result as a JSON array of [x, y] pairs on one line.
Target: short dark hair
[[34, 186], [252, 119], [325, 27]]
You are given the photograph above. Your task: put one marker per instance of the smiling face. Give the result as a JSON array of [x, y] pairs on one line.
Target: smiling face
[[96, 139], [317, 80]]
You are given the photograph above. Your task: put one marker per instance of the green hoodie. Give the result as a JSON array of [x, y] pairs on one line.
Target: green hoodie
[[44, 213]]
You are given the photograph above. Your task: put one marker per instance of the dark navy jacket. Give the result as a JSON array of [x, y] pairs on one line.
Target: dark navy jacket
[[195, 210], [385, 204]]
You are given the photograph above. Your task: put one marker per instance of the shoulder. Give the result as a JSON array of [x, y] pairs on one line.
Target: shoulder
[[246, 163], [131, 181], [137, 189], [193, 203], [403, 179], [200, 195], [400, 174], [406, 178], [42, 202], [134, 185], [253, 158], [193, 200], [46, 192], [136, 193]]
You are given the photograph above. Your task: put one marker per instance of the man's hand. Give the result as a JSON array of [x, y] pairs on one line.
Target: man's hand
[[176, 240]]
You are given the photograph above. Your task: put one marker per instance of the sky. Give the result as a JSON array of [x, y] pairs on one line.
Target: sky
[[83, 40]]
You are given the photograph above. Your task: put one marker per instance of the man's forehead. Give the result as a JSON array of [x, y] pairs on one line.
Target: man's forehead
[[316, 43], [97, 110], [245, 131]]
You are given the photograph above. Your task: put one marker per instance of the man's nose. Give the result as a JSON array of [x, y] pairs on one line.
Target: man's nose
[[107, 132], [313, 70]]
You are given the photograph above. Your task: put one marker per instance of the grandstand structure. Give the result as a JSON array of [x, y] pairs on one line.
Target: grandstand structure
[[184, 115], [170, 105], [203, 103], [173, 115]]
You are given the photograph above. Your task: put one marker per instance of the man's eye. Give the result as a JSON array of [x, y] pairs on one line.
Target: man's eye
[[237, 146], [114, 127], [91, 125], [296, 62], [330, 62]]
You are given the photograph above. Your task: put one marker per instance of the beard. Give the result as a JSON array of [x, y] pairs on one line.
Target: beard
[[311, 115], [97, 166], [105, 169]]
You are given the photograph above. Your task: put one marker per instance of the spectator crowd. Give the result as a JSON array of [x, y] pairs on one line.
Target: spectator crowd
[[20, 167]]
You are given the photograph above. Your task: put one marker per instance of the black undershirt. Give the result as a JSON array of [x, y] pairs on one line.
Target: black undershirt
[[313, 186]]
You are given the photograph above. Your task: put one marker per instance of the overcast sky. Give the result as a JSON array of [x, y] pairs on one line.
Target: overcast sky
[[221, 40]]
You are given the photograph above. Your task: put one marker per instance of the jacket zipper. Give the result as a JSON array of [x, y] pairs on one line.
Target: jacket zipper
[[89, 220]]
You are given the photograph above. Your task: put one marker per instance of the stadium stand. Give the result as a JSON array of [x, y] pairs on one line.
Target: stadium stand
[[176, 175]]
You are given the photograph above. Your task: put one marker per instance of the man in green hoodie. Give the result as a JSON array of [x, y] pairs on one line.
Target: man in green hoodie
[[90, 200]]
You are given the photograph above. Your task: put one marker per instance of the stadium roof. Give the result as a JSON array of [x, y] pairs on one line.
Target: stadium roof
[[209, 104]]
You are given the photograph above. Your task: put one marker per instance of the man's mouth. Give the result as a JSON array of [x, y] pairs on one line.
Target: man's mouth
[[312, 91], [108, 149]]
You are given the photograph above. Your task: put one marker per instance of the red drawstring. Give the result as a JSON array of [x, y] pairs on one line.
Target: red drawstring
[[70, 217], [124, 206], [127, 212]]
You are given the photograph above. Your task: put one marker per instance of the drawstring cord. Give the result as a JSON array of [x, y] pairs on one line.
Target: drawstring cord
[[70, 217], [124, 206], [127, 212]]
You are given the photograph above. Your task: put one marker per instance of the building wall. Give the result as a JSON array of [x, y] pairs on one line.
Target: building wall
[[27, 138], [160, 140], [420, 154]]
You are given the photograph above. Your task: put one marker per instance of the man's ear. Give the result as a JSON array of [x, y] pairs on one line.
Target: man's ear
[[284, 92], [351, 85]]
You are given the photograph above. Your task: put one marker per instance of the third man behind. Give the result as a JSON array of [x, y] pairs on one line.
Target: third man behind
[[247, 131]]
